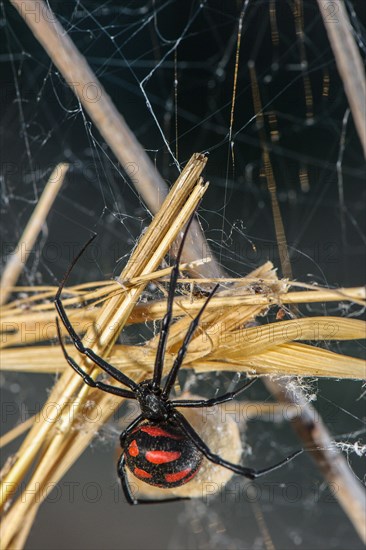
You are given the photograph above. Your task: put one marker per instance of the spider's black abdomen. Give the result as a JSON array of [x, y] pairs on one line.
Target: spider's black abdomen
[[161, 454]]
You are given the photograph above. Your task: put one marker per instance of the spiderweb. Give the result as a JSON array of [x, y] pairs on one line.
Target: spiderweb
[[183, 80]]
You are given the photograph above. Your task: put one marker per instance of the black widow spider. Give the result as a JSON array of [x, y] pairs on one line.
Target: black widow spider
[[160, 447]]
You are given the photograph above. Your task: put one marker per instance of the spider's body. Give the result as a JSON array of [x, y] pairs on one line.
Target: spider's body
[[161, 455], [158, 452], [160, 447]]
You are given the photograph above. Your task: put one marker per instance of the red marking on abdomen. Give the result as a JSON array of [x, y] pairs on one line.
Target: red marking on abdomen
[[141, 473], [133, 448], [170, 478], [161, 457], [155, 431], [190, 477]]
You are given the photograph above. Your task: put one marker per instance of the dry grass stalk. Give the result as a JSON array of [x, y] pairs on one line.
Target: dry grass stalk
[[18, 259], [281, 360], [268, 349], [349, 61], [89, 291], [17, 431], [224, 344], [98, 291], [59, 443], [23, 321]]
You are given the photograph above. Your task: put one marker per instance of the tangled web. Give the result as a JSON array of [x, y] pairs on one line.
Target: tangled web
[[185, 76]]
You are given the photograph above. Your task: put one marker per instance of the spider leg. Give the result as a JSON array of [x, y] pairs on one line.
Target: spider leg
[[87, 378], [215, 400], [112, 371], [129, 428], [216, 459], [122, 474], [170, 381], [164, 331]]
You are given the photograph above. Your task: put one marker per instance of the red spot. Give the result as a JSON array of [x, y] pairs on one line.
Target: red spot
[[161, 457], [171, 478], [133, 448], [190, 477], [155, 431], [141, 473]]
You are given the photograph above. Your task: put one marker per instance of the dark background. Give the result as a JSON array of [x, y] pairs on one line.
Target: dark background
[[42, 125]]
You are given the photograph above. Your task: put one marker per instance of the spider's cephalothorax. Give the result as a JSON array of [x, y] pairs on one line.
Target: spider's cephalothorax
[[160, 446], [152, 405], [161, 455]]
